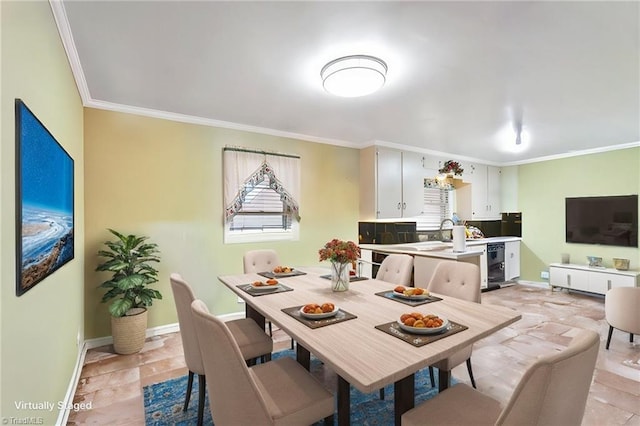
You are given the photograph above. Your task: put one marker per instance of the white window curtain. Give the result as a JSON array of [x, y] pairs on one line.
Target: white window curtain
[[244, 169]]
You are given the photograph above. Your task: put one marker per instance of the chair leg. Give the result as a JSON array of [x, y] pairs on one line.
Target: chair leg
[[630, 337], [270, 329], [473, 382], [381, 393], [202, 387], [328, 421], [609, 337], [431, 376], [188, 396]]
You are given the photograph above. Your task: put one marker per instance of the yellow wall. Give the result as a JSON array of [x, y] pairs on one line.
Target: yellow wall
[[542, 190], [164, 179], [40, 328]]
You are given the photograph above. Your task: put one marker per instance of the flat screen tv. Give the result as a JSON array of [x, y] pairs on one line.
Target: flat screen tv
[[610, 220]]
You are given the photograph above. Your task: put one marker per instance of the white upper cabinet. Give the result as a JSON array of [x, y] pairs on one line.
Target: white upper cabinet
[[389, 184], [392, 183], [412, 184], [480, 200]]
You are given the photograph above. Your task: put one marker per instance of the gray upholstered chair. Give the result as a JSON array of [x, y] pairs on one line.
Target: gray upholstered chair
[[280, 392], [462, 281], [252, 340], [622, 311], [264, 260], [553, 391], [396, 269], [260, 260]]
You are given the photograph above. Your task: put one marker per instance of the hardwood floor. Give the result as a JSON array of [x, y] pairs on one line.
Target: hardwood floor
[[113, 383]]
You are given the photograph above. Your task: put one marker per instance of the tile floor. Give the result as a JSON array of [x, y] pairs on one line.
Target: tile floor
[[113, 383]]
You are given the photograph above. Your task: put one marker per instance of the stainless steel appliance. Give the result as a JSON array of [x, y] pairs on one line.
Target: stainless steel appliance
[[495, 265]]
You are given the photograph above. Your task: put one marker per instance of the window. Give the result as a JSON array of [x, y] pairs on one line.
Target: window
[[262, 209], [260, 191], [438, 206]]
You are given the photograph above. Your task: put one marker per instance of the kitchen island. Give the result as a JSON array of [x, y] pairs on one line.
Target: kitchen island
[[427, 254]]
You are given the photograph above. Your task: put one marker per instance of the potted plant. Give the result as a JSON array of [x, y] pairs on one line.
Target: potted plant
[[129, 259]]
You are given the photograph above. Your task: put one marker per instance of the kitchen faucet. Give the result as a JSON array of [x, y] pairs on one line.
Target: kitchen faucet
[[442, 238]]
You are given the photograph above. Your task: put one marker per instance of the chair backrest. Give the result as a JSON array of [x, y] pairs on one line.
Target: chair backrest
[[183, 296], [456, 279], [622, 308], [396, 269], [554, 390], [260, 260], [234, 398]]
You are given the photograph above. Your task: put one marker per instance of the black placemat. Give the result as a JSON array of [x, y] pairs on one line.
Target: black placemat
[[352, 278], [247, 289], [389, 295], [341, 316], [293, 273], [418, 340]]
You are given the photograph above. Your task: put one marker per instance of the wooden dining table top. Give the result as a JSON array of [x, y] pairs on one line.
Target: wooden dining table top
[[366, 357]]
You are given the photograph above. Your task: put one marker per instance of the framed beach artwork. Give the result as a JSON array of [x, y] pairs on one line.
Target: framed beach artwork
[[44, 201]]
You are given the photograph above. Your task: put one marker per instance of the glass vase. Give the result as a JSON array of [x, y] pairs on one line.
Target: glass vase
[[339, 276]]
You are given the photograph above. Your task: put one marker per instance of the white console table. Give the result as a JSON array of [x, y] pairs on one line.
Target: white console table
[[590, 279]]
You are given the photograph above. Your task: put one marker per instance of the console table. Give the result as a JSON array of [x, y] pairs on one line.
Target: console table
[[590, 279]]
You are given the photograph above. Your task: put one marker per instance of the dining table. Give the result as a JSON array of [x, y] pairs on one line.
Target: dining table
[[363, 343]]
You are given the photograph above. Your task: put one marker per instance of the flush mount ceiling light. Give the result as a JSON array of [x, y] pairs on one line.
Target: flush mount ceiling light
[[353, 76]]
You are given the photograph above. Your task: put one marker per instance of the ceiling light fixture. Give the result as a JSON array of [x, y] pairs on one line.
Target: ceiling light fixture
[[353, 76]]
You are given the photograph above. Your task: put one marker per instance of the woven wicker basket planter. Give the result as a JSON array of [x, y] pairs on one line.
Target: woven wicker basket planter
[[129, 331]]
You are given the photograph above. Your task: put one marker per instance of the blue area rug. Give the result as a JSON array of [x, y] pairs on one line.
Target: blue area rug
[[163, 401]]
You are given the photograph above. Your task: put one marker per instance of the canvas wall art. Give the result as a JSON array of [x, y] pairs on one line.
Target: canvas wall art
[[44, 201]]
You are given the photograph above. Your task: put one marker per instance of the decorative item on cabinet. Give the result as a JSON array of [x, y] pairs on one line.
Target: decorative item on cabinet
[[621, 264], [451, 167], [594, 261]]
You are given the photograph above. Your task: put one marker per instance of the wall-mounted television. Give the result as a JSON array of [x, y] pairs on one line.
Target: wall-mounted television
[[609, 220]]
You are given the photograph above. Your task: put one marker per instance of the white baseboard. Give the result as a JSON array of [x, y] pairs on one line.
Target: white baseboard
[[63, 415]]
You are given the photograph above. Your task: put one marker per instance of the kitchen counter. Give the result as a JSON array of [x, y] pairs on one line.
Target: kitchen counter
[[428, 254], [439, 249]]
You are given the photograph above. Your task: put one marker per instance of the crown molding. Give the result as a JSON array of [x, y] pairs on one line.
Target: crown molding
[[60, 16], [576, 153]]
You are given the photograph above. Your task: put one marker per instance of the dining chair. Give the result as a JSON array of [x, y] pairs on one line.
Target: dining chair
[[396, 269], [553, 391], [279, 392], [622, 311], [263, 260], [462, 281], [252, 340]]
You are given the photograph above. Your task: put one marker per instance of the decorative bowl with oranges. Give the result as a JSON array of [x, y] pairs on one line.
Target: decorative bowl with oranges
[[410, 293], [319, 311], [268, 285], [415, 322]]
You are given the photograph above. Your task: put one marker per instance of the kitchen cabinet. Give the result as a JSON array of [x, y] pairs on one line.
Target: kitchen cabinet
[[511, 260], [584, 278], [480, 199], [392, 183]]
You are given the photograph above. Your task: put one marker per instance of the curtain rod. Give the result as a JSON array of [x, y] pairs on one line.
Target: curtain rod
[[255, 151]]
